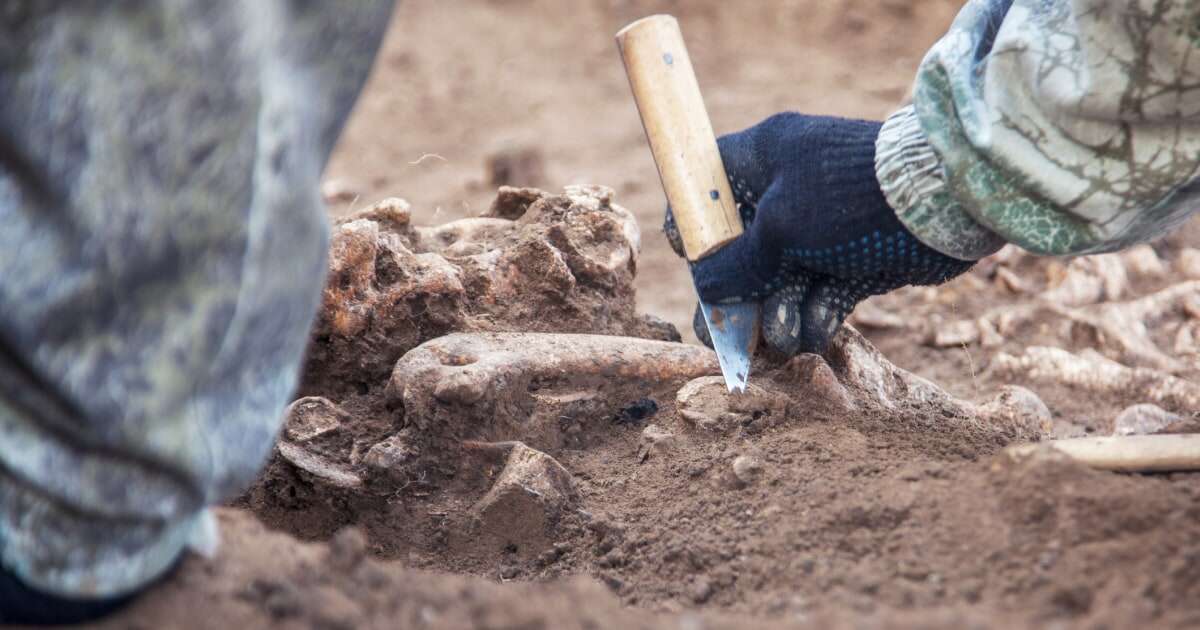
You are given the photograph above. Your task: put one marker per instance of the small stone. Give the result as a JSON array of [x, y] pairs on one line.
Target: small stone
[[867, 315], [655, 441], [390, 454], [708, 403], [311, 417], [701, 589], [747, 469], [1017, 406], [1143, 419]]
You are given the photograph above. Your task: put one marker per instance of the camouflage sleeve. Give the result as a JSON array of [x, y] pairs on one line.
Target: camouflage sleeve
[[163, 252], [1064, 126]]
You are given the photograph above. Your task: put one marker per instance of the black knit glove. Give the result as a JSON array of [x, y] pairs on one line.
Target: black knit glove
[[820, 237]]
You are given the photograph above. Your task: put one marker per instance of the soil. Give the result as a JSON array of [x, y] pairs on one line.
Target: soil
[[462, 458]]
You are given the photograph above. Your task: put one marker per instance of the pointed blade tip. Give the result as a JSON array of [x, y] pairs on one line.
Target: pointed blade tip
[[733, 335]]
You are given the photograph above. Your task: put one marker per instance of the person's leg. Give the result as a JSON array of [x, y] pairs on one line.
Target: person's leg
[[163, 248], [20, 604]]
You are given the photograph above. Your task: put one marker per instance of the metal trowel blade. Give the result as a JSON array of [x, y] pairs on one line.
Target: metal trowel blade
[[734, 332]]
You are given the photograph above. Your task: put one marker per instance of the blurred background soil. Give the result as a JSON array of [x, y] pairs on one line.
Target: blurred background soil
[[467, 95]]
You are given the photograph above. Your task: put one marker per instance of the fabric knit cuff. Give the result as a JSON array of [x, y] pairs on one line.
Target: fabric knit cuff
[[911, 177]]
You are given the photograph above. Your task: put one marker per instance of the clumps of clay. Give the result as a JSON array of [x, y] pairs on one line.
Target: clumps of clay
[[534, 262]]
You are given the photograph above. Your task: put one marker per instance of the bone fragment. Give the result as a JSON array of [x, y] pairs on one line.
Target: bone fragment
[[504, 386], [318, 467], [529, 497], [1090, 371], [1135, 453]]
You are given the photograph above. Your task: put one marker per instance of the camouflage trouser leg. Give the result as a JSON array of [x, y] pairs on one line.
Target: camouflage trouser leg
[[162, 248]]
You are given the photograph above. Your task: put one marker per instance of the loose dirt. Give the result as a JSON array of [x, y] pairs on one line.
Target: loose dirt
[[492, 433]]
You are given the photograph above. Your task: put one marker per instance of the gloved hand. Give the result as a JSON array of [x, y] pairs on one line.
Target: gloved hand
[[820, 237]]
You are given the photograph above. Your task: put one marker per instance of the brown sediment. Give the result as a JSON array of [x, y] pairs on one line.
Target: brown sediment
[[842, 492]]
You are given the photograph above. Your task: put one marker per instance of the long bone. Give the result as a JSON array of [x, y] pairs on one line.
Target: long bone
[[525, 386]]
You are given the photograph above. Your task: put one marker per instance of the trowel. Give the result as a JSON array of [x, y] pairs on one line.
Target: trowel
[[685, 149]]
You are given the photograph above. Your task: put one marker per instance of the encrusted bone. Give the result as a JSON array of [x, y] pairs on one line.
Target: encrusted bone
[[524, 386], [872, 379], [542, 262]]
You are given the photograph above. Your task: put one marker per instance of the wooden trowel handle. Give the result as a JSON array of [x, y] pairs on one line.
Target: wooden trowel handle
[[680, 134]]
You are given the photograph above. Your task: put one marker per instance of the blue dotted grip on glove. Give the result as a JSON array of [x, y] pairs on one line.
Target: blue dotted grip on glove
[[820, 236]]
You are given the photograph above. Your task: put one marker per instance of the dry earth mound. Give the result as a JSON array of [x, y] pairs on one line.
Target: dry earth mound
[[840, 487]]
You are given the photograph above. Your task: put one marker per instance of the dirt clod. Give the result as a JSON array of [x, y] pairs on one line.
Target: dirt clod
[[708, 403], [747, 469], [528, 499], [656, 442]]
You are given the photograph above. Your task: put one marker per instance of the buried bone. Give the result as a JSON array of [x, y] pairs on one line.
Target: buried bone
[[311, 417], [1121, 329], [317, 468], [1090, 371], [505, 386], [529, 497], [871, 379]]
